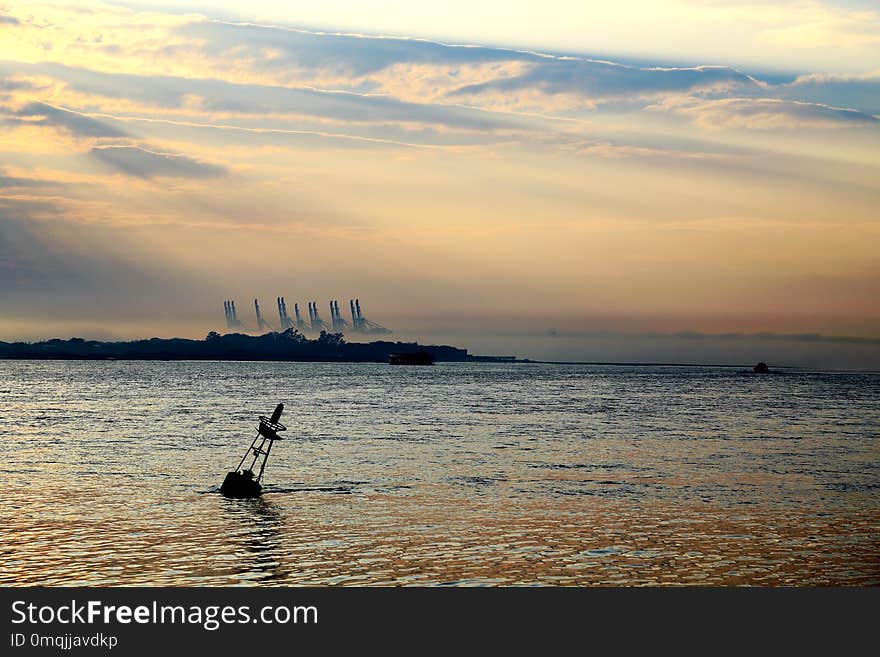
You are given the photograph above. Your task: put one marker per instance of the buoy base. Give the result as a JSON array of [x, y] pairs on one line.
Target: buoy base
[[241, 484]]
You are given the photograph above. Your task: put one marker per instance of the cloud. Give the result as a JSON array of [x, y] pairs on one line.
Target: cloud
[[860, 92], [782, 337], [278, 49], [395, 89], [618, 150], [436, 75], [58, 271], [318, 136], [597, 82], [699, 335], [278, 107], [476, 74], [17, 83], [39, 113], [765, 114], [142, 163], [12, 182]]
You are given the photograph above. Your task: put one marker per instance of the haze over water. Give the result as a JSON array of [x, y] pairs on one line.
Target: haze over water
[[456, 474]]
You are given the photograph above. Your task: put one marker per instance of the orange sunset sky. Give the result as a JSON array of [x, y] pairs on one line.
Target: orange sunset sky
[[684, 181]]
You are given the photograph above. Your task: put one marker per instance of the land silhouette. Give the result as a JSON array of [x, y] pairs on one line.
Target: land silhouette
[[289, 345]]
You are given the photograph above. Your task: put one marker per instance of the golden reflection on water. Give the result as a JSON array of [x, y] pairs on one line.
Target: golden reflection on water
[[458, 474], [425, 538]]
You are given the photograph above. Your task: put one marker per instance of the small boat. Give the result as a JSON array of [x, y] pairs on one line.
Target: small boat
[[414, 358]]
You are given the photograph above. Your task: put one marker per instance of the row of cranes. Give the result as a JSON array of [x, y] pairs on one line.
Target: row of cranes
[[315, 324]]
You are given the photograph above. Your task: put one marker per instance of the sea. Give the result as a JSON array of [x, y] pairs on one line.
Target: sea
[[460, 474]]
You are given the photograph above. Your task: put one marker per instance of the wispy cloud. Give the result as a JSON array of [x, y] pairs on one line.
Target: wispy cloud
[[44, 114], [210, 70], [703, 336], [8, 182], [210, 101], [142, 163], [856, 91], [765, 113], [598, 83]]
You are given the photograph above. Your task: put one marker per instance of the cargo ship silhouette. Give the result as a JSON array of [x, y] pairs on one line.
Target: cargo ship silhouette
[[413, 358]]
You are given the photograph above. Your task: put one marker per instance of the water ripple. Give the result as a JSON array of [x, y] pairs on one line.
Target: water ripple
[[457, 475]]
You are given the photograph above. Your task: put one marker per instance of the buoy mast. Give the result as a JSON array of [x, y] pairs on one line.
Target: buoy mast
[[241, 482]]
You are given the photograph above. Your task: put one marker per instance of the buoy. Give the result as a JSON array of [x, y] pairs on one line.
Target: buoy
[[241, 482]]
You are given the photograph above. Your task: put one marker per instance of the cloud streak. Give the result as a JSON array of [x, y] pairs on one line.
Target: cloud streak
[[143, 163], [598, 82], [44, 114], [765, 114], [701, 336], [209, 70]]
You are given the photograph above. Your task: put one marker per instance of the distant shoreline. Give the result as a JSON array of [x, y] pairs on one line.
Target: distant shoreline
[[291, 346], [287, 346]]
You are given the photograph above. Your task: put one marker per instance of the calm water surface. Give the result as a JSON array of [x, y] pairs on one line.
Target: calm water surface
[[456, 474]]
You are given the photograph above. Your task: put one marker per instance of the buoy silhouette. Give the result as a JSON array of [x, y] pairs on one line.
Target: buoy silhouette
[[241, 482]]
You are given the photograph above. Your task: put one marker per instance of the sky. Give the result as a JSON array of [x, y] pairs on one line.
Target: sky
[[683, 181]]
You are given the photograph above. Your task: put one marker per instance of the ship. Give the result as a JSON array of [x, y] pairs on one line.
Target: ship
[[414, 358]]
